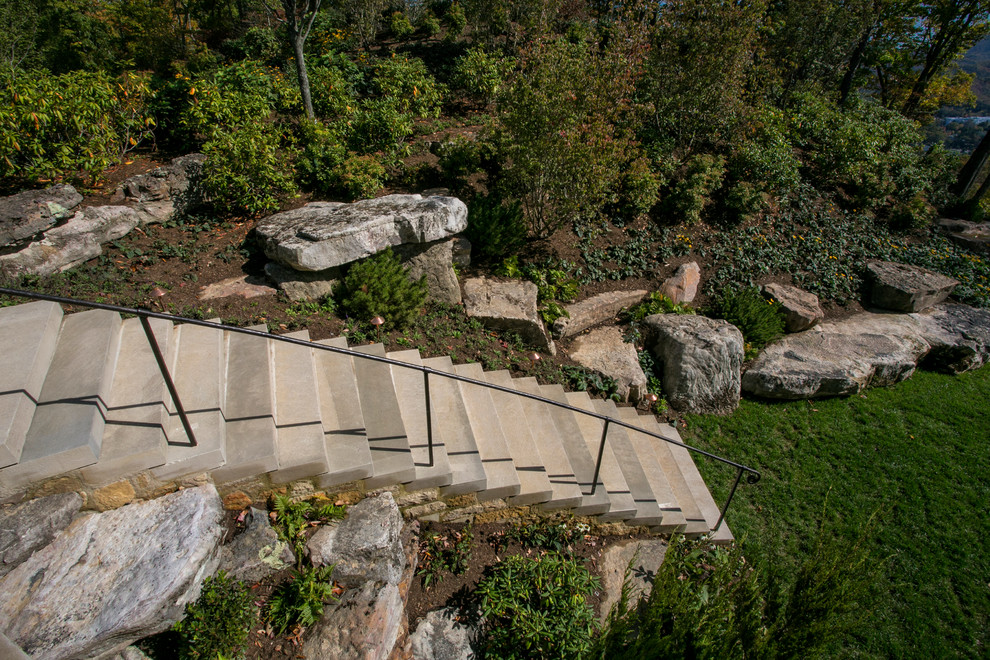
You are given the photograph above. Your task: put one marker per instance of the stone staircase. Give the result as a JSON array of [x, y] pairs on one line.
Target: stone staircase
[[82, 394]]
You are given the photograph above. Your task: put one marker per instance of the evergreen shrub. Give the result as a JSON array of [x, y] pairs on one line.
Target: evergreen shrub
[[496, 229], [219, 622], [380, 286], [399, 26], [760, 320]]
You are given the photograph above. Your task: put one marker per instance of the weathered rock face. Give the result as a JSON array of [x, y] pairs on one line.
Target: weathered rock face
[[162, 184], [31, 525], [603, 350], [594, 310], [302, 285], [646, 558], [365, 546], [904, 288], [801, 308], [440, 636], [701, 360], [682, 286], [256, 552], [112, 578], [73, 243], [508, 306], [33, 211], [322, 235], [959, 336], [435, 261], [973, 236]]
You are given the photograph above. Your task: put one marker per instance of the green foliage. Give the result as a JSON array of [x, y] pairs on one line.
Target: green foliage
[[379, 286], [640, 188], [407, 84], [333, 92], [496, 228], [219, 622], [291, 521], [657, 303], [400, 27], [653, 383], [760, 320], [454, 19], [582, 379], [361, 177], [244, 172], [325, 166], [481, 74], [702, 176], [554, 533], [537, 608], [300, 599], [379, 125], [444, 553], [429, 25], [553, 281]]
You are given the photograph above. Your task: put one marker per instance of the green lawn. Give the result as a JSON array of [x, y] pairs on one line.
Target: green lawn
[[919, 453]]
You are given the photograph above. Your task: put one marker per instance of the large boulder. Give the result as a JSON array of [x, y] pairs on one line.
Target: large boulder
[[321, 235], [959, 336], [442, 636], [29, 526], [631, 565], [256, 552], [682, 286], [801, 308], [435, 262], [302, 285], [507, 306], [159, 193], [701, 360], [904, 288], [594, 310], [111, 578], [604, 350], [31, 212]]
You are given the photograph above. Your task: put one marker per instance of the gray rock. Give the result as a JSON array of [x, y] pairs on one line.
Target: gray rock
[[959, 336], [603, 350], [28, 526], [130, 653], [640, 560], [322, 235], [973, 236], [508, 306], [364, 624], [461, 251], [365, 546], [682, 286], [10, 651], [73, 243], [161, 184], [256, 552], [30, 212], [594, 310], [801, 308], [112, 578], [435, 261], [701, 360], [302, 285], [440, 636], [904, 288]]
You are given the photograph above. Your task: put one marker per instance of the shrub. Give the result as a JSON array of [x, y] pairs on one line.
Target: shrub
[[537, 608], [407, 84], [640, 188], [760, 320], [701, 177], [219, 622], [455, 20], [429, 25], [481, 74], [333, 93], [300, 599], [657, 303], [496, 229], [380, 126], [379, 286], [555, 534], [321, 156], [360, 177], [444, 553], [399, 26]]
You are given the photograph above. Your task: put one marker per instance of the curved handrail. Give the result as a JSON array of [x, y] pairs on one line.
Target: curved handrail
[[752, 475]]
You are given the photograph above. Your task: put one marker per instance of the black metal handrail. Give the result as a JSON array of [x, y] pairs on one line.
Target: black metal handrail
[[752, 476]]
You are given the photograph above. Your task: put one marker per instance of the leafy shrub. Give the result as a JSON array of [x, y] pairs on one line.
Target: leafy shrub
[[399, 26], [766, 159], [496, 229], [537, 608], [325, 166], [293, 518], [219, 622], [657, 303], [360, 177], [407, 84], [429, 25], [742, 200], [379, 286], [557, 534], [760, 320], [244, 172], [640, 188], [481, 74], [444, 553], [300, 599], [702, 176], [333, 93], [379, 125], [582, 379], [455, 19]]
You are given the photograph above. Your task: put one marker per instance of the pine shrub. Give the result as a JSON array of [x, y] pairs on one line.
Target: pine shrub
[[219, 622], [380, 286], [760, 320], [496, 229]]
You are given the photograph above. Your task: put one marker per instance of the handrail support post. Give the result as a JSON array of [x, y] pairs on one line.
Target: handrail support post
[[429, 416], [153, 342], [601, 453], [721, 514]]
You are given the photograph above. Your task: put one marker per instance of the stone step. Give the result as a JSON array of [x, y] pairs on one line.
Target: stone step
[[580, 458], [566, 492], [300, 443], [28, 334], [343, 421], [390, 453], [500, 471], [67, 428], [409, 389], [673, 466], [673, 517], [534, 485], [699, 491], [197, 366], [134, 435], [622, 505], [468, 473], [248, 407]]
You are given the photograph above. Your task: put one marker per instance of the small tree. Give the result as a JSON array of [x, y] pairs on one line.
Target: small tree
[[298, 17]]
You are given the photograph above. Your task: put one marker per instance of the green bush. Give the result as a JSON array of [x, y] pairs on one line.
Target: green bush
[[379, 286], [760, 320], [537, 608], [455, 20], [407, 84], [495, 228], [399, 26], [701, 177], [429, 25], [244, 172], [481, 74], [325, 166], [556, 534], [640, 188], [300, 599], [219, 622], [657, 303], [379, 125], [333, 93]]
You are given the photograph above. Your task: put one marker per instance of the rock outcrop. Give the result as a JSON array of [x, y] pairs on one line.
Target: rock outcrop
[[435, 262], [159, 193], [904, 288], [507, 306], [594, 310], [256, 552], [973, 236], [32, 525], [604, 350], [801, 308], [28, 213]]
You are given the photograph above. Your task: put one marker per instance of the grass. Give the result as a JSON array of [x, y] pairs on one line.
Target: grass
[[918, 454]]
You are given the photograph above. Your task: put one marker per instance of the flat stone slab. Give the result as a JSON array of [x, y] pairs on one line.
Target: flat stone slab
[[112, 578], [904, 288], [507, 306], [322, 235], [245, 286], [29, 526], [33, 211], [594, 310], [801, 308], [603, 350]]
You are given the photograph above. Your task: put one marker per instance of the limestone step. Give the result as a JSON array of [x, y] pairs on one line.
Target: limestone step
[[673, 517], [390, 453], [249, 407], [300, 443], [28, 334], [134, 435], [702, 496], [67, 428], [534, 485], [197, 367], [576, 448], [468, 473], [409, 389], [343, 421], [622, 505], [673, 466], [566, 491], [500, 471]]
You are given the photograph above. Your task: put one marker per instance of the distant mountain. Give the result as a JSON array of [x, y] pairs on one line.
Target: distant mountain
[[977, 61]]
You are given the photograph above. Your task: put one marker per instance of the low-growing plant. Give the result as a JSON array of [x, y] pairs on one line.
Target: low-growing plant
[[300, 599], [441, 553], [582, 379], [497, 229], [657, 303], [760, 320], [218, 622], [380, 286], [556, 534]]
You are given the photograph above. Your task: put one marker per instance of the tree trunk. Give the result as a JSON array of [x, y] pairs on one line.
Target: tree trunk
[[854, 61], [971, 170], [297, 46]]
